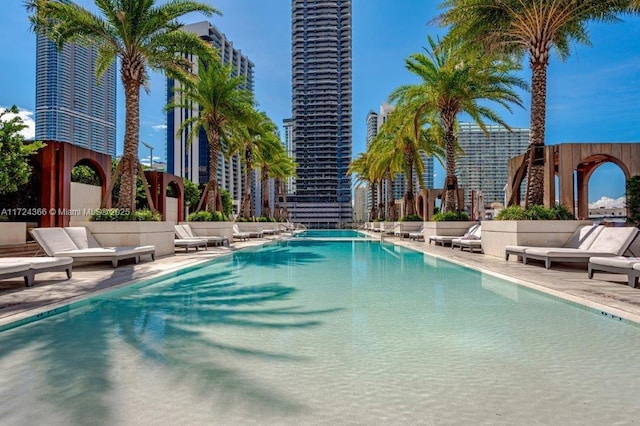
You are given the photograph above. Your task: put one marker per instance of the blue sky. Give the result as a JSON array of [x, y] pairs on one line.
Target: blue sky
[[592, 97]]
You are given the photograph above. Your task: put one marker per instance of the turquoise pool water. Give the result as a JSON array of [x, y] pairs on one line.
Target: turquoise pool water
[[330, 233], [317, 332]]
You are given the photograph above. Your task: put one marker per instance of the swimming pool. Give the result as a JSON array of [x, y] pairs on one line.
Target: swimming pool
[[330, 233], [318, 332]]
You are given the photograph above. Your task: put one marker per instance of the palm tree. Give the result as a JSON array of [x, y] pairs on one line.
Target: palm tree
[[142, 35], [530, 27], [271, 151], [408, 146], [247, 143], [224, 109], [361, 167], [455, 80], [283, 168], [385, 164]]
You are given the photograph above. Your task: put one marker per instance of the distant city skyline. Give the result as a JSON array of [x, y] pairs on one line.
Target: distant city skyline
[[593, 97]]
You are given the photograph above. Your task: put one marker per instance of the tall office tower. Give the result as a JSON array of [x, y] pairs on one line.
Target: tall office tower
[[483, 167], [360, 208], [193, 162], [321, 89], [72, 105], [372, 127], [288, 144]]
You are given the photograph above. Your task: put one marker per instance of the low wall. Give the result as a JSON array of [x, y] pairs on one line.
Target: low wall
[[159, 234], [447, 228], [84, 198], [211, 229], [497, 234], [171, 213], [13, 233]]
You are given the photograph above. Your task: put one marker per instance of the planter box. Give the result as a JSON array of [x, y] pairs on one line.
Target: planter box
[[453, 228], [159, 234], [410, 226], [211, 229], [497, 234], [256, 226], [13, 233]]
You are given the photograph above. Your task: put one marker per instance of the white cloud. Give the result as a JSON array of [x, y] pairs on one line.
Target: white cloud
[[159, 127], [607, 202], [146, 162], [27, 118]]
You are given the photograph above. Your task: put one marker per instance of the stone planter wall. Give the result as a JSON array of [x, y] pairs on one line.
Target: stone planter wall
[[410, 226], [256, 226], [159, 234], [211, 229], [13, 233], [452, 228], [84, 199], [497, 234]]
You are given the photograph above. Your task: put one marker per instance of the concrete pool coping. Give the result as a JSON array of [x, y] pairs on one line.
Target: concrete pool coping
[[606, 293]]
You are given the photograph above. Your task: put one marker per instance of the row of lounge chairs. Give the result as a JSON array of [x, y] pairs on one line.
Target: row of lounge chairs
[[64, 245]]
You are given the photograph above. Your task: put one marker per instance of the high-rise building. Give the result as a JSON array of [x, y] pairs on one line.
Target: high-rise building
[[321, 99], [72, 104], [192, 161], [288, 144], [483, 166]]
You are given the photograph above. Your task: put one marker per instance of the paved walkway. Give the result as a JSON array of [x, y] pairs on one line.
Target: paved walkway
[[606, 292]]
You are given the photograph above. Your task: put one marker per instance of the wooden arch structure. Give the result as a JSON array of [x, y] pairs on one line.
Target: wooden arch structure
[[566, 159], [56, 160], [158, 182]]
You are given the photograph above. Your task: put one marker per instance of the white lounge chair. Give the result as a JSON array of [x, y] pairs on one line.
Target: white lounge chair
[[28, 267], [610, 242], [79, 244], [237, 234], [629, 266], [184, 232], [417, 235], [471, 241], [582, 238], [445, 240]]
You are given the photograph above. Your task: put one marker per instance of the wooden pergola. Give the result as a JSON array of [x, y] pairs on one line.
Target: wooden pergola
[[565, 160]]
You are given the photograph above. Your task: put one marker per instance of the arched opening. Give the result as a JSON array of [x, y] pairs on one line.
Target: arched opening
[[605, 189], [173, 193], [87, 183]]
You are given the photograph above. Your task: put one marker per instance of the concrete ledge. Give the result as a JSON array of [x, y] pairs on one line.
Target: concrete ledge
[[13, 233], [159, 234], [211, 229], [497, 234], [447, 228]]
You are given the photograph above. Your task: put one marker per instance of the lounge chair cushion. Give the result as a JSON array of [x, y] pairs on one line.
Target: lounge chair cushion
[[82, 238], [38, 263], [11, 267], [53, 240], [609, 242], [616, 262]]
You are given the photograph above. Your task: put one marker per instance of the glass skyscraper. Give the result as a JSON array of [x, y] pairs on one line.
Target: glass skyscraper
[[321, 100], [72, 105]]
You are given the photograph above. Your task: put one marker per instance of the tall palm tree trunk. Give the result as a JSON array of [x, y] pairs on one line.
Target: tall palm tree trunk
[[212, 191], [409, 200], [381, 209], [535, 167], [391, 203], [451, 181], [126, 196], [266, 211], [277, 214], [373, 214], [245, 208]]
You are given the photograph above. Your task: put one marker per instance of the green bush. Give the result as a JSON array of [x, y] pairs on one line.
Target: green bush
[[205, 216], [265, 219], [512, 213], [535, 212], [412, 218], [450, 216], [123, 215], [4, 218], [633, 200]]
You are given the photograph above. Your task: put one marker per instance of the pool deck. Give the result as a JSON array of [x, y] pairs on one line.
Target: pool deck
[[606, 292]]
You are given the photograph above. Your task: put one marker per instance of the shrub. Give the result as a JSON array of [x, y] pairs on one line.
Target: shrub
[[265, 219], [123, 215], [450, 216], [205, 216], [535, 212], [4, 218], [412, 218], [633, 200]]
